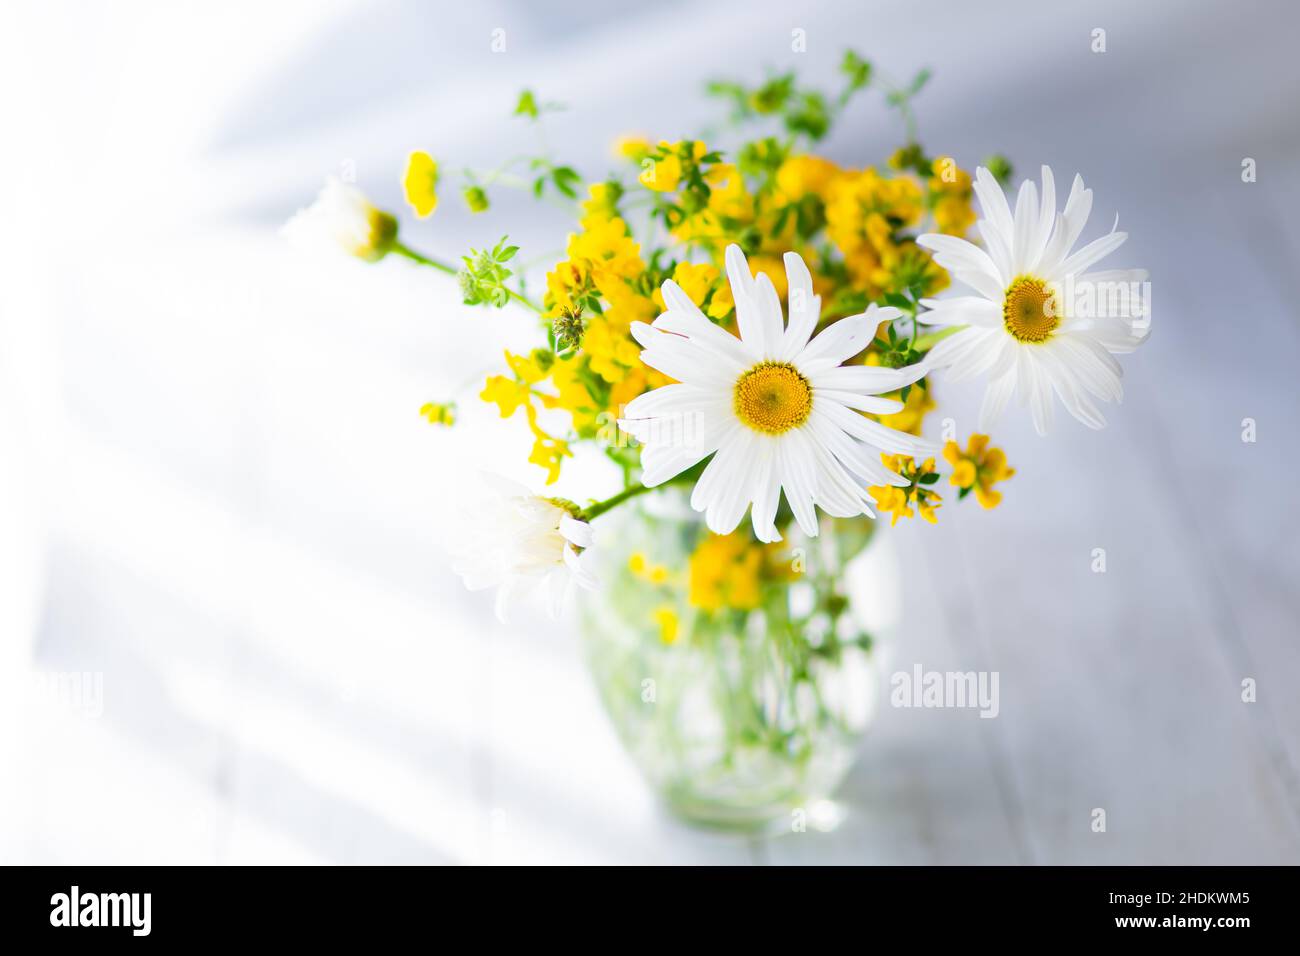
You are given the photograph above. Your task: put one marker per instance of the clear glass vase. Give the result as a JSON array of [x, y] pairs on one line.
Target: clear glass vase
[[740, 677]]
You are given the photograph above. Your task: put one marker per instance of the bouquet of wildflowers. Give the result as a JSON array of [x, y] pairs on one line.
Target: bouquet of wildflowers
[[749, 328]]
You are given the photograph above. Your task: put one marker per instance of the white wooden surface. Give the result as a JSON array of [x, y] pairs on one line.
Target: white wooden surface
[[233, 508]]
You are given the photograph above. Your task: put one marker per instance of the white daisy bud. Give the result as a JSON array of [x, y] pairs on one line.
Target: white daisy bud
[[343, 218], [519, 542]]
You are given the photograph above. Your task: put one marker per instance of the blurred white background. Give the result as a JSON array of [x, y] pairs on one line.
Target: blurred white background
[[217, 492]]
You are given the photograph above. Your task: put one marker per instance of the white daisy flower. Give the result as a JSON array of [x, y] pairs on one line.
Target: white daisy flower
[[519, 543], [1040, 321], [343, 218], [779, 411]]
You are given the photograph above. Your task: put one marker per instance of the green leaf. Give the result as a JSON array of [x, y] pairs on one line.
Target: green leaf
[[1000, 167], [856, 69], [929, 479], [565, 178], [527, 105]]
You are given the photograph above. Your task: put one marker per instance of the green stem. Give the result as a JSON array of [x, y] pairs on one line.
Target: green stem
[[931, 339], [422, 259], [598, 508], [524, 300]]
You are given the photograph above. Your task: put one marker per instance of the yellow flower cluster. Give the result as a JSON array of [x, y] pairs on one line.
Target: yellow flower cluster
[[439, 413], [950, 197], [725, 571], [854, 227], [978, 469], [897, 502], [911, 417], [512, 394], [728, 571]]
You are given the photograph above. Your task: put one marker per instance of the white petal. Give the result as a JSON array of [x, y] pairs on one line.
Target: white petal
[[1096, 369], [749, 320], [999, 250], [767, 492], [863, 403], [956, 345], [981, 282], [842, 340], [805, 307], [867, 379], [1037, 390], [861, 459], [993, 202], [685, 319], [889, 440], [735, 494], [769, 311], [1068, 389], [954, 253], [677, 358], [995, 399], [982, 357], [581, 575], [578, 532], [799, 478], [1093, 252], [1046, 216], [1026, 228], [962, 310]]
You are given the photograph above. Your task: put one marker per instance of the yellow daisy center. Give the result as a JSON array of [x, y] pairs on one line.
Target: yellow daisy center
[[1031, 310], [772, 397]]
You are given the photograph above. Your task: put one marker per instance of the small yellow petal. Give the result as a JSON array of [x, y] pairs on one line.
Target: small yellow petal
[[420, 182], [963, 474]]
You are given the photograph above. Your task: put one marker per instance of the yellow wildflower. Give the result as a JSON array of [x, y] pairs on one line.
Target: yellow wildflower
[[638, 379], [864, 210], [632, 147], [978, 469], [525, 367], [725, 572], [666, 618], [898, 502], [697, 281], [439, 413], [801, 176], [911, 416], [643, 569], [951, 191], [573, 395], [729, 197], [606, 245], [664, 175], [722, 302], [548, 452], [602, 204], [506, 393], [420, 183], [564, 285], [774, 268]]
